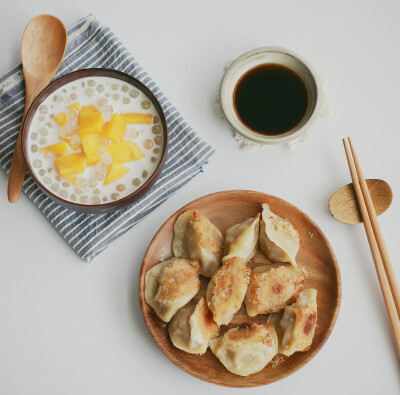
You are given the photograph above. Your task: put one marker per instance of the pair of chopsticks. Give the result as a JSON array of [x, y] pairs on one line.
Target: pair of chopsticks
[[383, 266]]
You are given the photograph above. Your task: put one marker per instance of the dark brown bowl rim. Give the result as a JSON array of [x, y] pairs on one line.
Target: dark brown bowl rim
[[59, 83]]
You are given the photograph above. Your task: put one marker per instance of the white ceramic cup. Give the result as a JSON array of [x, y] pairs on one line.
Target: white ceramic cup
[[272, 55]]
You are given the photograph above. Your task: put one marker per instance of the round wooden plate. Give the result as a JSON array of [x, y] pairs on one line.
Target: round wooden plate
[[225, 209]]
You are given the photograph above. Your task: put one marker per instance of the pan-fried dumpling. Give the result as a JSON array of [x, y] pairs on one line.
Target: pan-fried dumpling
[[241, 239], [226, 290], [192, 327], [279, 240], [196, 237], [296, 326], [246, 349], [272, 287], [171, 284]]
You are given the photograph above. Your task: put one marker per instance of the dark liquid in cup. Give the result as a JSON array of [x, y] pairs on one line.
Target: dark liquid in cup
[[271, 99]]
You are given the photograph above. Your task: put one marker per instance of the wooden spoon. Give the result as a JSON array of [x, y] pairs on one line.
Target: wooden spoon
[[42, 50], [343, 204]]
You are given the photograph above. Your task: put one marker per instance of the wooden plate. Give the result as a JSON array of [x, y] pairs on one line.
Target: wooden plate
[[225, 209]]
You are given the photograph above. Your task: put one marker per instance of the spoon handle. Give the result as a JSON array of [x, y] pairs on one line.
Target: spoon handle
[[18, 165]]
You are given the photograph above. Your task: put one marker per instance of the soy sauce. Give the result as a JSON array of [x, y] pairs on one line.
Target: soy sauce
[[271, 99]]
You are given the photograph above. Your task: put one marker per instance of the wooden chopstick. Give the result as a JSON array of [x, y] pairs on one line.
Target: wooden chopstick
[[377, 232], [380, 270]]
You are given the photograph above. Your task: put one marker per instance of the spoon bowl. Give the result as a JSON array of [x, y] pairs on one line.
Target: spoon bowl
[[43, 46], [343, 204], [42, 50]]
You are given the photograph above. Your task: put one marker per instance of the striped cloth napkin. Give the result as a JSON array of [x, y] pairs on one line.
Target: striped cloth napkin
[[90, 44]]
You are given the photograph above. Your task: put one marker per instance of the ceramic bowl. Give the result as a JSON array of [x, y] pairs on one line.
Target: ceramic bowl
[[272, 55], [59, 83]]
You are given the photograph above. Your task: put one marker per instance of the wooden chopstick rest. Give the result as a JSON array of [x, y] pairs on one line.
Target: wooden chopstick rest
[[343, 203]]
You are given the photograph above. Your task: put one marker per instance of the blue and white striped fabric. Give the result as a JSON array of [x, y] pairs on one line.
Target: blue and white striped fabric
[[91, 44]]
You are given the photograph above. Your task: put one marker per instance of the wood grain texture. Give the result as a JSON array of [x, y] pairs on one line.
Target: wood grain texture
[[225, 209], [343, 203]]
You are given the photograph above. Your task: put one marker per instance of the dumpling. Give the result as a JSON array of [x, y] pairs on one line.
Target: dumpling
[[246, 349], [241, 239], [192, 327], [272, 287], [226, 290], [196, 237], [171, 284], [296, 326], [279, 240]]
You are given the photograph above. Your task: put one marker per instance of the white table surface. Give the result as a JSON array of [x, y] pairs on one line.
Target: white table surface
[[72, 328]]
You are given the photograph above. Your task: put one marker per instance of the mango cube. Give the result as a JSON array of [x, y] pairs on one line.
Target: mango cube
[[90, 120], [115, 171], [114, 129], [121, 152], [133, 117], [136, 151], [124, 151], [70, 164], [90, 143], [76, 106], [61, 118], [55, 149]]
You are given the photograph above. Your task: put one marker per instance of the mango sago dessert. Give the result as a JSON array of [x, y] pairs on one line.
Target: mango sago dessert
[[95, 140]]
